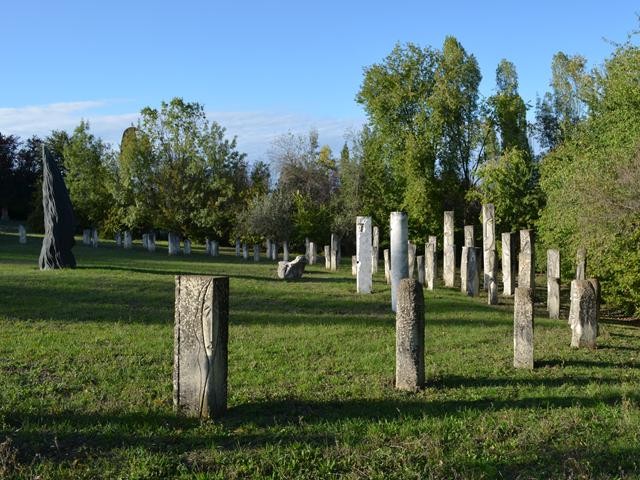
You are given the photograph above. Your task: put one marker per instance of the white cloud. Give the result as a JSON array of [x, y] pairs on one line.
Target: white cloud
[[255, 130]]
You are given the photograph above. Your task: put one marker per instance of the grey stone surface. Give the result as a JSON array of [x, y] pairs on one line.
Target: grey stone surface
[[173, 241], [411, 258], [582, 314], [312, 253], [256, 253], [595, 283], [327, 257], [410, 336], [488, 241], [128, 240], [285, 250], [238, 247], [469, 236], [387, 266], [268, 248], [201, 335], [292, 270], [186, 246], [449, 251], [492, 281], [526, 261], [335, 246], [151, 242], [420, 267], [523, 328], [430, 266], [86, 236], [118, 239], [22, 234], [433, 240], [508, 257], [95, 240], [214, 248], [354, 265], [59, 222], [245, 251], [581, 264], [274, 250], [364, 256], [464, 268], [207, 246], [375, 250], [399, 262], [553, 283], [145, 241], [472, 276]]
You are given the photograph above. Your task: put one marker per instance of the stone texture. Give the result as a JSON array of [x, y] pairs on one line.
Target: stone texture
[[420, 267], [595, 283], [173, 243], [354, 265], [472, 276], [201, 335], [327, 257], [398, 232], [581, 264], [364, 256], [274, 250], [523, 328], [95, 240], [469, 236], [553, 283], [186, 246], [118, 239], [335, 245], [582, 314], [387, 266], [22, 234], [430, 266], [256, 253], [375, 250], [526, 261], [145, 241], [59, 222], [312, 253], [492, 282], [488, 241], [268, 248], [238, 246], [245, 251], [464, 268], [285, 250], [449, 251], [86, 236], [411, 258], [433, 240], [292, 270], [214, 248], [128, 240], [151, 242], [410, 336], [508, 257]]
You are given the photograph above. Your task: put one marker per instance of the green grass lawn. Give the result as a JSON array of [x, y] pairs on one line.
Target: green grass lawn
[[86, 385]]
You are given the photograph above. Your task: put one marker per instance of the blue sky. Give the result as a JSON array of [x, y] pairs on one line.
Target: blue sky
[[264, 68]]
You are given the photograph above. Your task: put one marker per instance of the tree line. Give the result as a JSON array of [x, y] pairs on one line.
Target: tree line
[[431, 143]]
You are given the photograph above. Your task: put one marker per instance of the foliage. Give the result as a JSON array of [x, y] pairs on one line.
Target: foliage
[[269, 216]]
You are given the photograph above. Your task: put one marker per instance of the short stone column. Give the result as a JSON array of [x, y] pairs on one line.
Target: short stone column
[[387, 266], [430, 266], [256, 253], [411, 258], [375, 250], [215, 248], [581, 264], [245, 251], [464, 257], [151, 242], [507, 264], [268, 248], [327, 257], [285, 250], [186, 249], [364, 255], [469, 236], [128, 240], [492, 283], [595, 283], [95, 240], [420, 267], [86, 236], [274, 250], [410, 336], [582, 314], [22, 234], [354, 265], [488, 241], [335, 245], [118, 239], [313, 256], [238, 246], [433, 240], [201, 336], [449, 254], [399, 231], [472, 275], [145, 241], [553, 283], [523, 328], [174, 243], [526, 261]]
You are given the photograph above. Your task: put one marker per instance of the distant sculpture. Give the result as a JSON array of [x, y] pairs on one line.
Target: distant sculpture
[[58, 219]]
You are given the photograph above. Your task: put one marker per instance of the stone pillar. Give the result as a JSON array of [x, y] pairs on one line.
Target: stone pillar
[[145, 241], [207, 246], [387, 266], [334, 252], [430, 265], [201, 336], [285, 251], [118, 239], [553, 283], [274, 250], [472, 276], [464, 267], [215, 248], [581, 264], [186, 246], [507, 264], [128, 240], [174, 243], [399, 231], [327, 257], [488, 241], [86, 236], [433, 240], [469, 237], [354, 265], [237, 247], [306, 246], [492, 284], [410, 336], [245, 251], [151, 242], [582, 314], [256, 253], [411, 258], [312, 253], [449, 254], [526, 261], [375, 250], [364, 255], [95, 241], [523, 328], [420, 266], [22, 234], [268, 247]]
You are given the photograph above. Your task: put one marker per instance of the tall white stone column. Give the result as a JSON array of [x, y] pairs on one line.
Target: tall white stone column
[[449, 255], [488, 241], [399, 233], [363, 255]]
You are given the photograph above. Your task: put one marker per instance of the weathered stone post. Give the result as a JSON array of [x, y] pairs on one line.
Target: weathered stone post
[[364, 255], [581, 264], [375, 250], [595, 283], [22, 234], [523, 328], [327, 257], [334, 252], [507, 264], [387, 266], [256, 253], [201, 336], [492, 284], [582, 314], [469, 236], [118, 239], [464, 267], [526, 261], [430, 265], [151, 242], [145, 241], [207, 246], [274, 250], [420, 266], [245, 251], [354, 265], [553, 283], [285, 250], [312, 253], [86, 236], [268, 247], [237, 247], [186, 246], [214, 246], [472, 276], [411, 258], [488, 241], [174, 243], [399, 231], [95, 241], [433, 240], [449, 256], [410, 336], [128, 239]]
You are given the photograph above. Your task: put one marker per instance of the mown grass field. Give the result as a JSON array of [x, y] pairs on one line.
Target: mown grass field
[[86, 392]]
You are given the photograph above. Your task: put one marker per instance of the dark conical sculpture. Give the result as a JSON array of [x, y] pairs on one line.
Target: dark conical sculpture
[[58, 218]]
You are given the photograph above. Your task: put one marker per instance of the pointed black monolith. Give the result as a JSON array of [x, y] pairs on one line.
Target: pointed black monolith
[[59, 221]]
